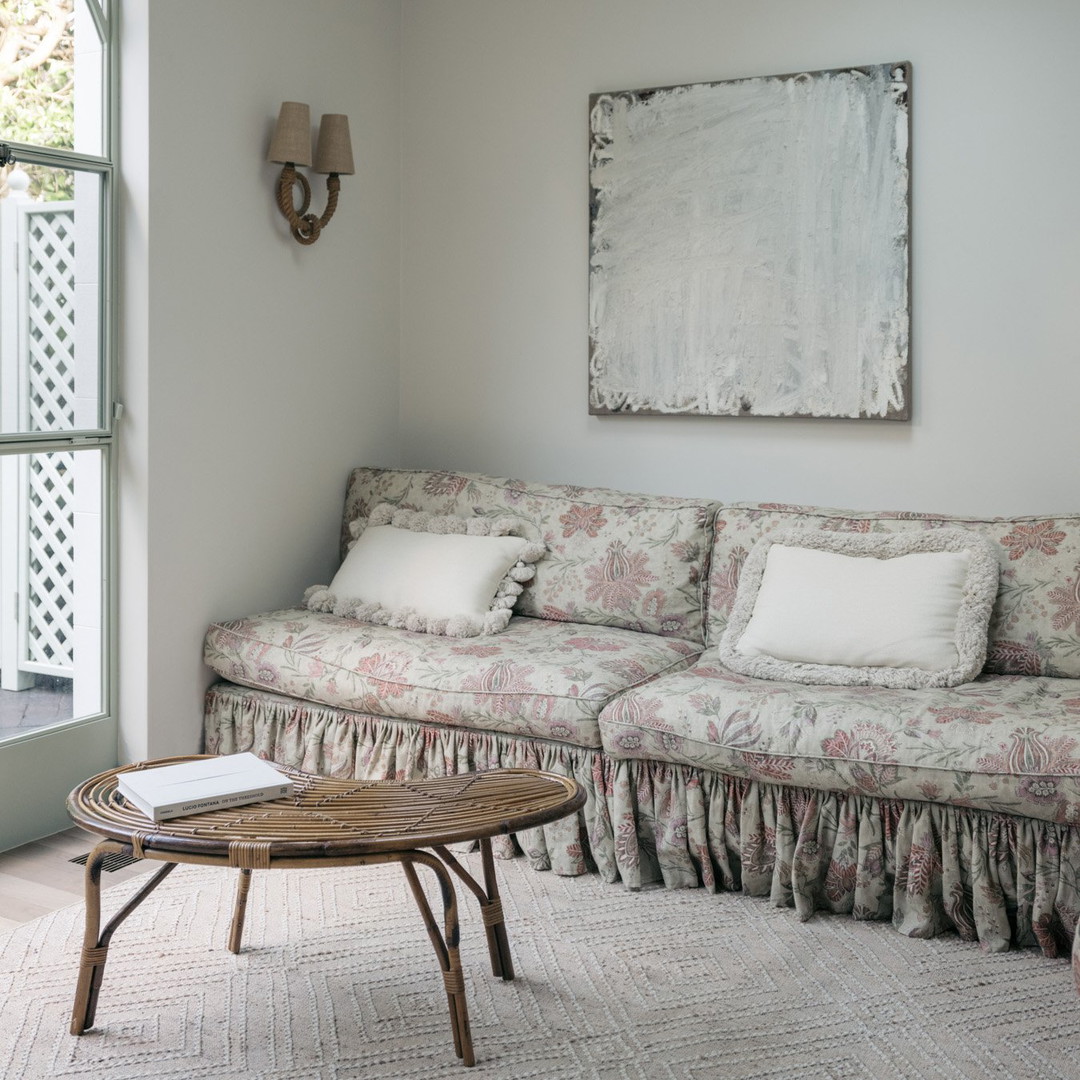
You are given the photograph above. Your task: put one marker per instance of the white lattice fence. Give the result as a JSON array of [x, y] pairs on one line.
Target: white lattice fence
[[50, 558], [40, 386], [50, 360], [50, 329]]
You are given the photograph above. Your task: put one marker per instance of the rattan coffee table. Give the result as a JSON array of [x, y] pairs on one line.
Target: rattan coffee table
[[327, 822]]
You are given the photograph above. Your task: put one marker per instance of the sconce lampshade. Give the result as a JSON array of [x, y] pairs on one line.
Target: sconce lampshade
[[292, 135], [333, 151]]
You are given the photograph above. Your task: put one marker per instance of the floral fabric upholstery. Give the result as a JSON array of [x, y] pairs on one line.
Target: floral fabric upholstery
[[539, 678], [1003, 743], [1001, 880], [938, 809], [614, 558], [1035, 626], [997, 878], [334, 742]]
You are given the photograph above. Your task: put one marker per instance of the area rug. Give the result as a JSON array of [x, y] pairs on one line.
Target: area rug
[[337, 980]]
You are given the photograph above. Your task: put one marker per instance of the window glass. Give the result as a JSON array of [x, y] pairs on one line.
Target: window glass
[[50, 296], [51, 527], [51, 75], [54, 357]]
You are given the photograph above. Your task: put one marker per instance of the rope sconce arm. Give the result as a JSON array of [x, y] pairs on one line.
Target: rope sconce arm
[[304, 226]]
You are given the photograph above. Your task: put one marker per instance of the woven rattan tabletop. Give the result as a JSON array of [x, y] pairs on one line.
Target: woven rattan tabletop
[[329, 817]]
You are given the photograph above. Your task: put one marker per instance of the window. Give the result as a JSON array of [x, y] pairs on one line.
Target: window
[[57, 203]]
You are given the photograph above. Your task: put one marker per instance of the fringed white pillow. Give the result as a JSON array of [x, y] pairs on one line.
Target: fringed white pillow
[[432, 574], [856, 609]]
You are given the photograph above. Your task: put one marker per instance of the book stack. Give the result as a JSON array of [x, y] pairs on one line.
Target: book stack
[[193, 787]]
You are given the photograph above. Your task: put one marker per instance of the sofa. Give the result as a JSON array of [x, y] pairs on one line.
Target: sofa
[[939, 808]]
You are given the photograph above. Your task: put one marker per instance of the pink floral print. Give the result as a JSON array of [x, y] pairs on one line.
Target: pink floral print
[[725, 582], [1042, 537], [1018, 657], [499, 682], [1031, 751], [867, 742], [1067, 599], [592, 644], [384, 674], [918, 872], [444, 484], [971, 714], [617, 582], [583, 519]]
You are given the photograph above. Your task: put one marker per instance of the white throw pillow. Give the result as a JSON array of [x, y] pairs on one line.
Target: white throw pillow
[[439, 576], [430, 573], [899, 609]]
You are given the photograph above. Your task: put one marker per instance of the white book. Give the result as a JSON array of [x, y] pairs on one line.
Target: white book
[[192, 787]]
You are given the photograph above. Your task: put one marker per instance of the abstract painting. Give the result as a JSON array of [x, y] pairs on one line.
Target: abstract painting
[[749, 247]]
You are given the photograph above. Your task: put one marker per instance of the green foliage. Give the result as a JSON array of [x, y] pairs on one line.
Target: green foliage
[[37, 86]]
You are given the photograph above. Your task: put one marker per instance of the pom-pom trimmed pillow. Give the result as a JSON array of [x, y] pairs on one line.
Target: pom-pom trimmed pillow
[[855, 609], [430, 574]]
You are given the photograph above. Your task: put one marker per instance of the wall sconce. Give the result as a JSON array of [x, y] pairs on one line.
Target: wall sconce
[[291, 146]]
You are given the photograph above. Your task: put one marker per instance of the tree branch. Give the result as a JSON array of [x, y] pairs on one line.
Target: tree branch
[[11, 68]]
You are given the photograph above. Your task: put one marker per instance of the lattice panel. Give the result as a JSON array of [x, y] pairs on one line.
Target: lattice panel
[[51, 320], [51, 554], [47, 274]]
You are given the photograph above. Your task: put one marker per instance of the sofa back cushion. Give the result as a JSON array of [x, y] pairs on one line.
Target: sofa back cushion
[[1035, 625], [614, 558]]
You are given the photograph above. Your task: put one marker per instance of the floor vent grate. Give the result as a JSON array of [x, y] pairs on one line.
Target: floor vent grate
[[115, 860]]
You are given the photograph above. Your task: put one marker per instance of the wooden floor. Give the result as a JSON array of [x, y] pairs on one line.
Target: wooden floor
[[38, 878]]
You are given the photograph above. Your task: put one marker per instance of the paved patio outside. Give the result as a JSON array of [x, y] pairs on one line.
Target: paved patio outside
[[48, 702]]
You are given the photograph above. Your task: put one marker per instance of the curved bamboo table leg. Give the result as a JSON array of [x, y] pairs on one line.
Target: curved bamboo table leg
[[95, 948], [445, 944], [494, 924], [491, 912], [236, 930]]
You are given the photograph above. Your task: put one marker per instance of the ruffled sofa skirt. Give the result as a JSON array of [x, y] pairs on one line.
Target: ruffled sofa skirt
[[1002, 880]]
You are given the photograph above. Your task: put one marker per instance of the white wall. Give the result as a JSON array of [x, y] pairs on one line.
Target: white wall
[[495, 247], [256, 372]]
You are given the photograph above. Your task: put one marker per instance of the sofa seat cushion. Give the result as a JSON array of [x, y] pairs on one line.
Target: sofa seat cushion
[[1004, 743], [538, 678]]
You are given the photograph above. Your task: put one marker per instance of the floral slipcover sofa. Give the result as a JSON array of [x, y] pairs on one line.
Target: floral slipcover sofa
[[938, 808]]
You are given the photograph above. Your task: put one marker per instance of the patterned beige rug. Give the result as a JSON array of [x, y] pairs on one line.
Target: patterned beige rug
[[337, 980]]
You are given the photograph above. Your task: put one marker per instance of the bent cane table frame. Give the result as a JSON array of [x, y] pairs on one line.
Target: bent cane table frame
[[327, 822]]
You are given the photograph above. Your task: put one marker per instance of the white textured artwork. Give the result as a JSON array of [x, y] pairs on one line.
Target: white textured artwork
[[749, 247]]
